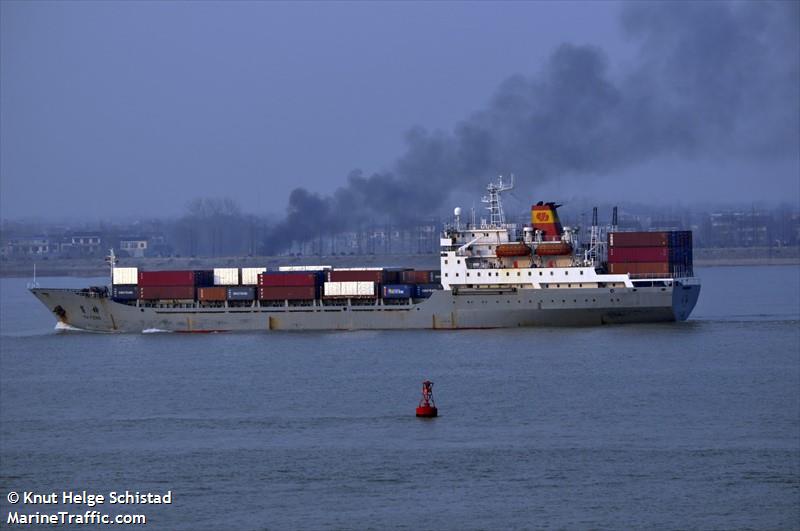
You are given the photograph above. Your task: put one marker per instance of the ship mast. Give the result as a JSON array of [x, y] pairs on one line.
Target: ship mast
[[112, 260], [496, 215]]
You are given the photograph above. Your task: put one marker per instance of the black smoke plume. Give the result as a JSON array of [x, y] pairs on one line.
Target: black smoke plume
[[711, 79]]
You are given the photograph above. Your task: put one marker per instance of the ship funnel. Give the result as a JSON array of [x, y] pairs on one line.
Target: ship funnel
[[544, 218]]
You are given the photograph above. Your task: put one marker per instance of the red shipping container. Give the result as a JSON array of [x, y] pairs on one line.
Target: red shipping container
[[166, 278], [287, 279], [638, 239], [638, 254], [166, 292], [280, 293], [212, 294], [639, 268], [416, 277], [363, 275]]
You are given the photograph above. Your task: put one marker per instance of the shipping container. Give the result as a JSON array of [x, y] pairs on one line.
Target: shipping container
[[166, 278], [241, 293], [638, 254], [217, 293], [125, 275], [166, 292], [423, 291], [226, 276], [349, 289], [639, 268], [204, 277], [355, 275], [280, 293], [305, 268], [638, 239], [125, 292], [418, 277], [250, 275], [397, 291], [288, 279]]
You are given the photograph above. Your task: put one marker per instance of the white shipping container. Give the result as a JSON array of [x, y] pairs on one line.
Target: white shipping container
[[226, 276], [360, 268], [349, 289], [250, 275], [305, 268], [332, 289], [125, 275]]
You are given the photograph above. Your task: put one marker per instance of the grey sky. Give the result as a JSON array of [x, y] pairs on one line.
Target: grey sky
[[137, 107]]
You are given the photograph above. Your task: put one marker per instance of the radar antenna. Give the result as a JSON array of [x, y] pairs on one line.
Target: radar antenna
[[496, 216]]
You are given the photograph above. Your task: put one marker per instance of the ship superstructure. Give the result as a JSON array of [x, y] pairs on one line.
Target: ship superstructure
[[492, 274]]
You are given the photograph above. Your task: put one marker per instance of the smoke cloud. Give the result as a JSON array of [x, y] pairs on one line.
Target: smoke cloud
[[710, 80]]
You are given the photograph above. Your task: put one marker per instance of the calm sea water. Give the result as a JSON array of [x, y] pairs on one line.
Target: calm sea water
[[681, 425]]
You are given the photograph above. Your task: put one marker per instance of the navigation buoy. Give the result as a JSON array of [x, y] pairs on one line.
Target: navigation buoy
[[427, 407]]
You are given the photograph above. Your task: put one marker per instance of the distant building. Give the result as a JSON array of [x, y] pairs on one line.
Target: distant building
[[80, 244], [33, 246], [134, 246], [739, 229]]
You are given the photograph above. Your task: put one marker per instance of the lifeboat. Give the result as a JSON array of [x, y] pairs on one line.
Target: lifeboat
[[553, 249], [512, 249]]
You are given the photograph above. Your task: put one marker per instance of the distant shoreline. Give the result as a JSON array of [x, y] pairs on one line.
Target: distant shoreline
[[94, 267]]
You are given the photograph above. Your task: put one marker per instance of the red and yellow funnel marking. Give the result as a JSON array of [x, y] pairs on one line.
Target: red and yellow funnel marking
[[544, 217]]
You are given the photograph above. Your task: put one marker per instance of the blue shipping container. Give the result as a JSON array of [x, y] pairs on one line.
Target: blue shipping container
[[397, 291], [125, 292], [241, 293], [423, 291]]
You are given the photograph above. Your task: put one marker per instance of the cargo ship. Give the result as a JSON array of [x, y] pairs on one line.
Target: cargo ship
[[492, 274]]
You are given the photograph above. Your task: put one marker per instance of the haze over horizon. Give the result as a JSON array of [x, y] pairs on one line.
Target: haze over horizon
[[130, 109]]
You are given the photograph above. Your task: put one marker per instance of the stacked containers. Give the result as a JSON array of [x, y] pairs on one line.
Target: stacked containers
[[179, 285], [354, 283], [288, 286], [124, 280], [650, 254]]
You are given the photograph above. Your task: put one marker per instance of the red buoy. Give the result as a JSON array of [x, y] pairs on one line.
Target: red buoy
[[427, 407]]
